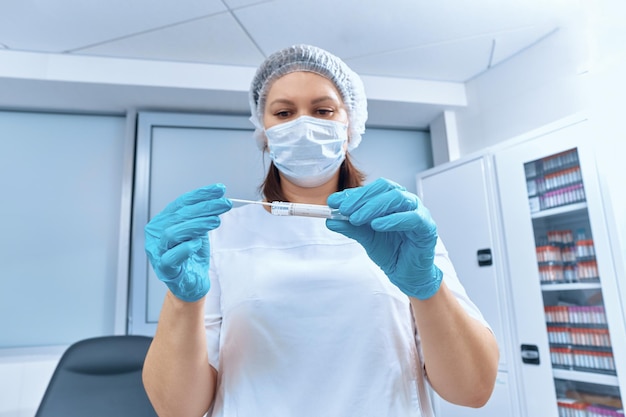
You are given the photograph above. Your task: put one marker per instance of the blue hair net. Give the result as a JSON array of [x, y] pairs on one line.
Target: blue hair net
[[321, 62]]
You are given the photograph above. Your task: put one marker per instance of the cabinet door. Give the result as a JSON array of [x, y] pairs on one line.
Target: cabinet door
[[459, 197], [551, 202]]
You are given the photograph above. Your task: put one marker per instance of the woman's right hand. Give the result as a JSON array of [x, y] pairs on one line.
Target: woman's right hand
[[177, 242], [396, 230]]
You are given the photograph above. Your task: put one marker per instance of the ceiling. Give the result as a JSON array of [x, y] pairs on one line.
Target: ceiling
[[443, 40]]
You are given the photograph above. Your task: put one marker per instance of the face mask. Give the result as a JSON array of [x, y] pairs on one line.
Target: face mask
[[307, 151]]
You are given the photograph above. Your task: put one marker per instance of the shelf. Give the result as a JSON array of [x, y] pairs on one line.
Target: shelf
[[585, 377], [559, 210], [571, 286], [607, 349]]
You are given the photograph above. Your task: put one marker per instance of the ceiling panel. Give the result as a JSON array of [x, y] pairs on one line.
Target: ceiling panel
[[58, 26], [449, 61], [217, 39], [351, 29], [235, 4], [509, 43]]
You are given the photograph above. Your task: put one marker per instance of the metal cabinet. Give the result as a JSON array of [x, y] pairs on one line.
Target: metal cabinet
[[460, 197], [570, 324], [533, 205]]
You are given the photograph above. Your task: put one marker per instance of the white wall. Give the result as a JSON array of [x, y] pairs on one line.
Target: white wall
[[606, 95], [531, 89], [578, 69], [24, 376]]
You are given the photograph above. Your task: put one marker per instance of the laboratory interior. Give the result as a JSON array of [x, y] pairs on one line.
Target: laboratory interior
[[505, 119]]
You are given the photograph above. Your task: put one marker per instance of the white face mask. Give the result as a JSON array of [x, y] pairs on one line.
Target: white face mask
[[307, 151]]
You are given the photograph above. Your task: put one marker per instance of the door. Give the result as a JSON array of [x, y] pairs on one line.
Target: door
[[569, 320], [460, 198]]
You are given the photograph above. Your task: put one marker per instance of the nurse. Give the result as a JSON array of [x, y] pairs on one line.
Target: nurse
[[293, 316]]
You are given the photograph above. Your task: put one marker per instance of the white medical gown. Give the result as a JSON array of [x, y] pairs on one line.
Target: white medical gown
[[301, 323]]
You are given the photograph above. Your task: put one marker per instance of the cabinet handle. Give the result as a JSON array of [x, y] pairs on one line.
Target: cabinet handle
[[484, 257], [530, 354]]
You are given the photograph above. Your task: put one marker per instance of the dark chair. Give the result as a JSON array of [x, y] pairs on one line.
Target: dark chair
[[99, 377]]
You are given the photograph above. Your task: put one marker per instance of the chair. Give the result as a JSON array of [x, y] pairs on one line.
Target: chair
[[99, 377]]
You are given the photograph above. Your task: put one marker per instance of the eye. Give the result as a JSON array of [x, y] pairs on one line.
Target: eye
[[325, 112], [282, 114]]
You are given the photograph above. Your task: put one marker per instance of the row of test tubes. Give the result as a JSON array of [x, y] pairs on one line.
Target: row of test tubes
[[565, 258], [573, 408], [583, 249], [554, 180], [567, 357], [561, 178], [562, 196], [579, 336], [557, 273], [600, 411], [552, 163], [593, 315]]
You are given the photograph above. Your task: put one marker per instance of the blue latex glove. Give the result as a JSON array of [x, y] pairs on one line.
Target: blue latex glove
[[177, 242], [395, 229]]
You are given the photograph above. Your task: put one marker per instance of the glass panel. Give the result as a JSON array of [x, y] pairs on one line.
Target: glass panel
[[60, 176], [184, 159], [580, 343]]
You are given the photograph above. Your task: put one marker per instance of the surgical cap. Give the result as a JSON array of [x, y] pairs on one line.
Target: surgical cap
[[321, 62]]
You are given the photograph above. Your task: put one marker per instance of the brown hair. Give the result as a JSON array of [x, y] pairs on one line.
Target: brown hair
[[349, 176]]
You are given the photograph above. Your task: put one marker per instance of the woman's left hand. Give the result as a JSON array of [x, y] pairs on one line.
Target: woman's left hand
[[396, 231]]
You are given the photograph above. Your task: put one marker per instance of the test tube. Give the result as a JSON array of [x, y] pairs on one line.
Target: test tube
[[282, 208]]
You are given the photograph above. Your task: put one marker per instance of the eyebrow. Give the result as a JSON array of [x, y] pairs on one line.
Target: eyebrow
[[280, 101], [315, 101], [324, 98]]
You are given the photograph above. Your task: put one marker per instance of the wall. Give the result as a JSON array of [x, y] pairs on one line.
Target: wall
[[606, 92], [578, 69], [542, 84], [61, 175], [62, 178], [24, 376]]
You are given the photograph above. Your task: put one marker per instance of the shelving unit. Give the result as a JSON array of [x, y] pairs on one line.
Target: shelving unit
[[537, 204], [580, 345]]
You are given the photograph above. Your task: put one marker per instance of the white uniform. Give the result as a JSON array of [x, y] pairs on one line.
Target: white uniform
[[300, 322]]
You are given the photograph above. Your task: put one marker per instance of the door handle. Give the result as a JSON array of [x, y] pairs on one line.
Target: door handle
[[530, 354]]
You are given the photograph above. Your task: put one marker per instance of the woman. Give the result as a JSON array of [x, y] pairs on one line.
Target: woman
[[306, 316]]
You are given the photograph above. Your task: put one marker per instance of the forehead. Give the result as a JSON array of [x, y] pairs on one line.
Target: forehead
[[302, 84]]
